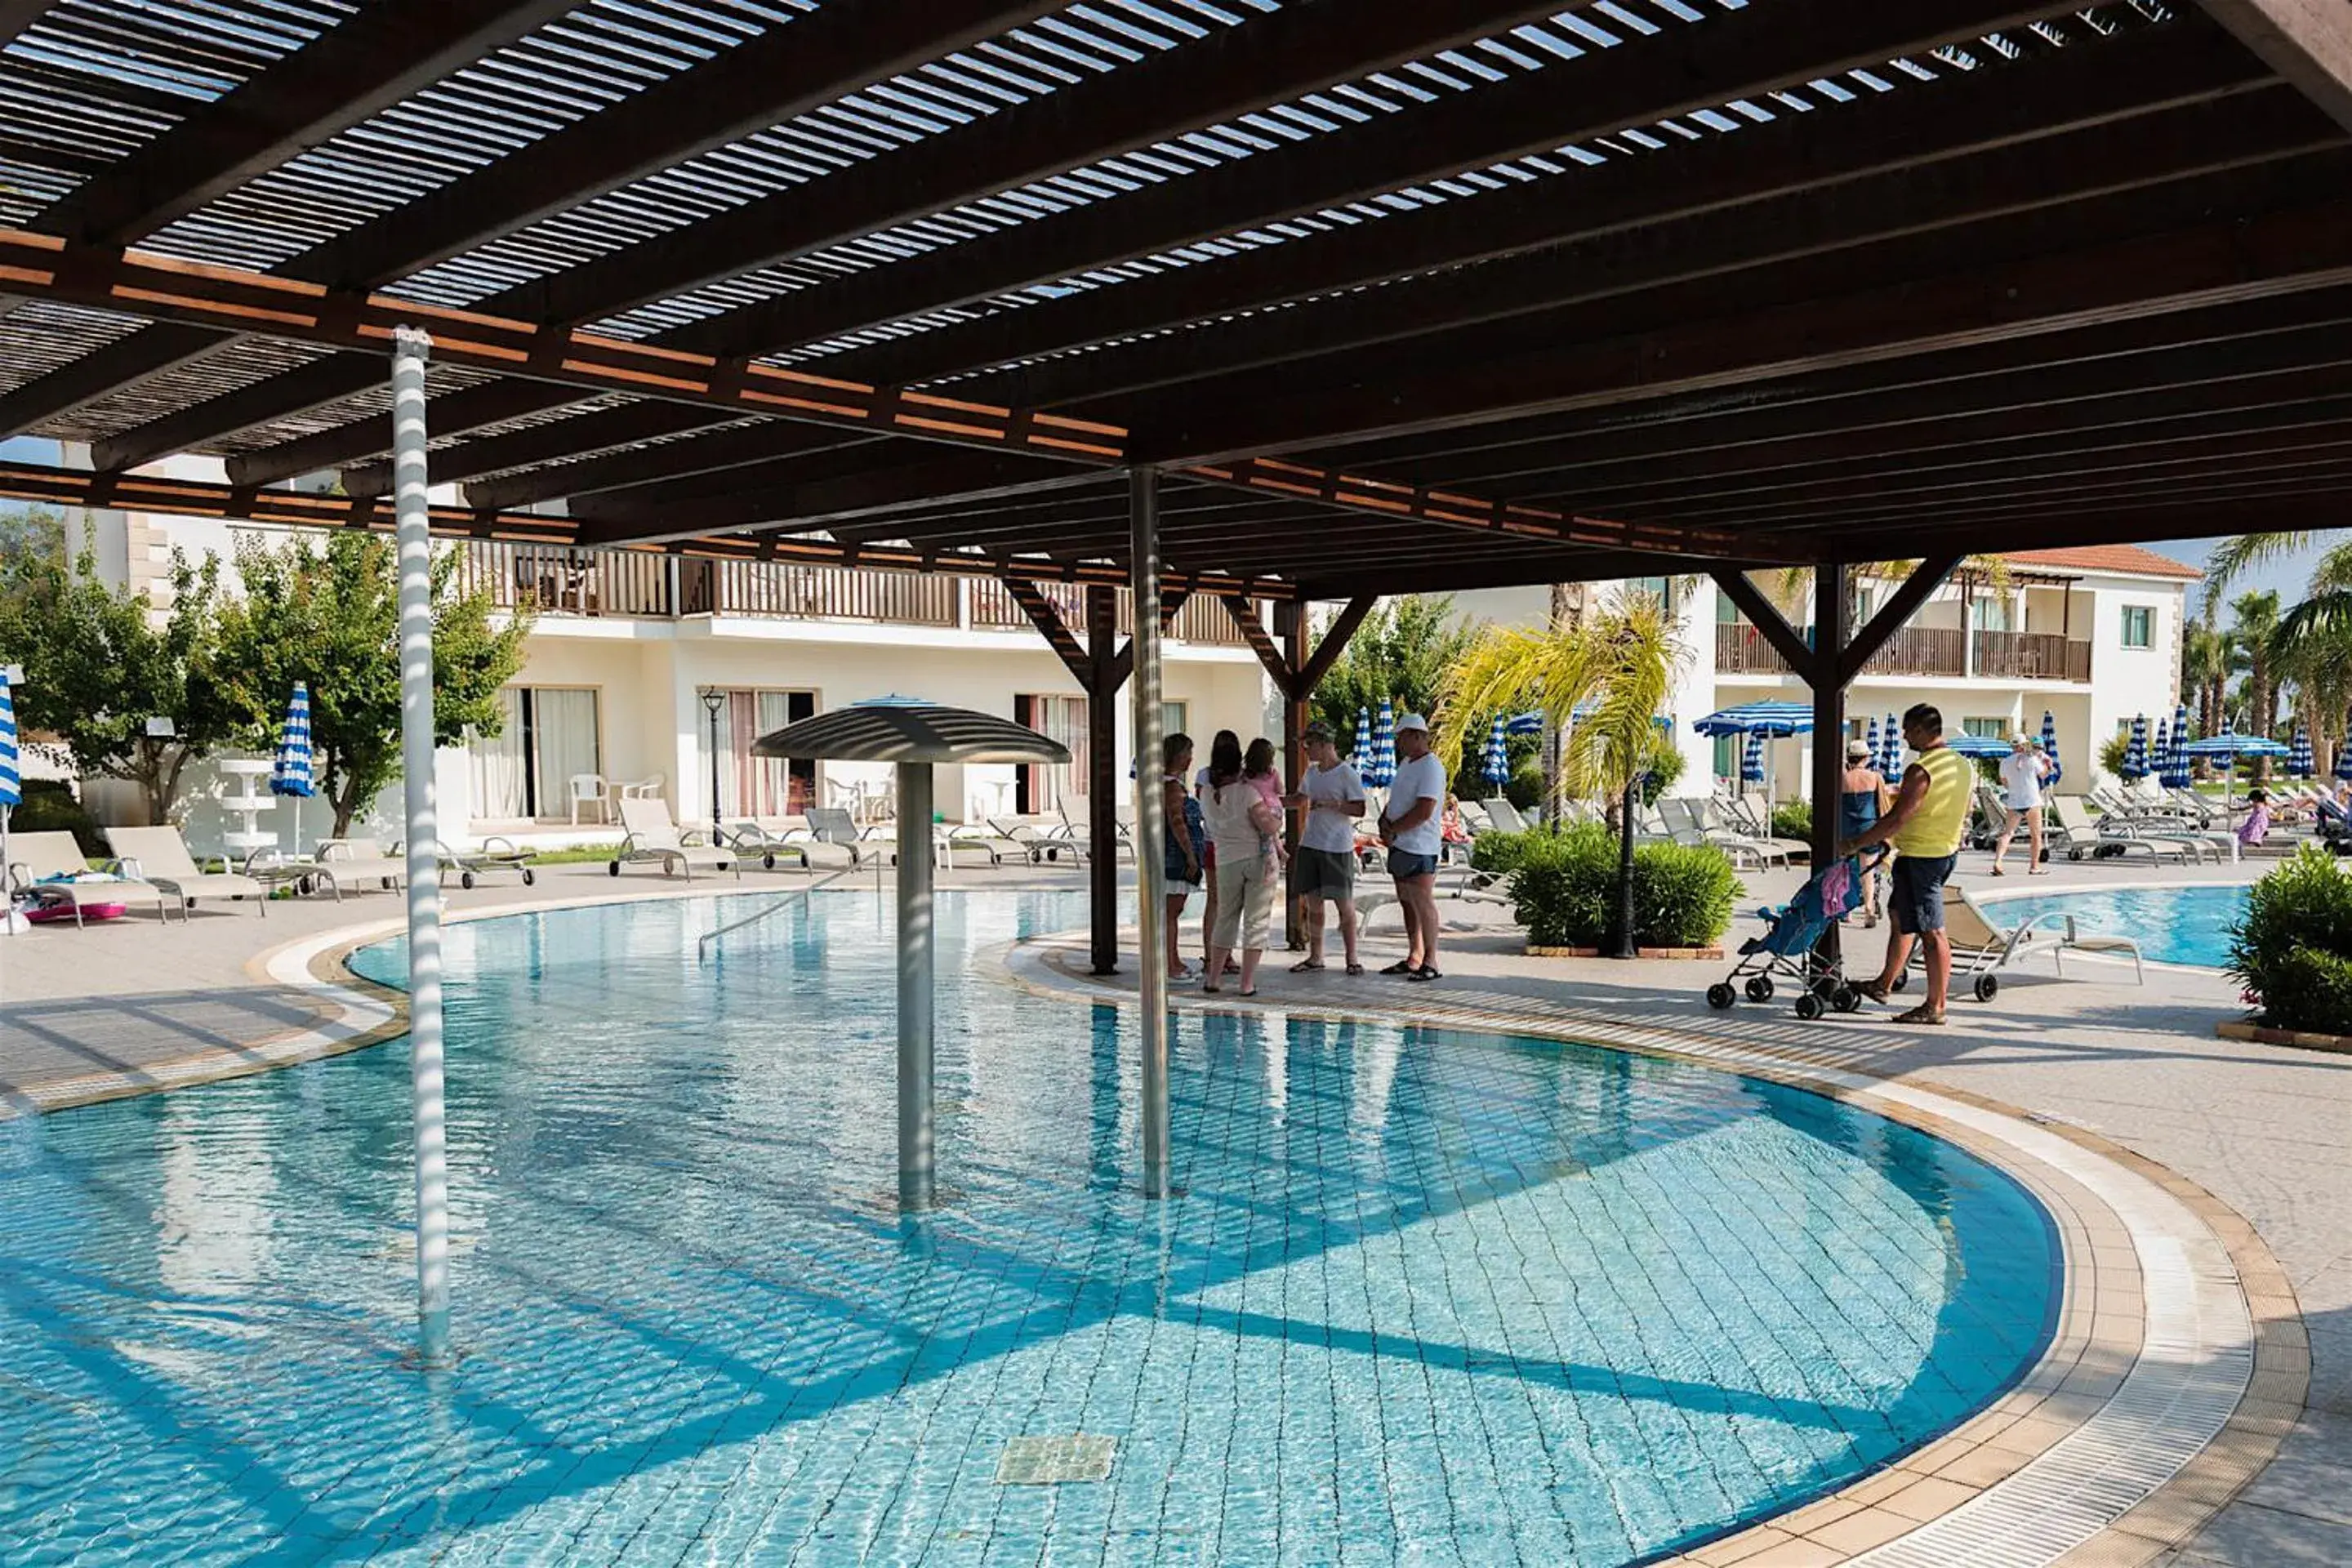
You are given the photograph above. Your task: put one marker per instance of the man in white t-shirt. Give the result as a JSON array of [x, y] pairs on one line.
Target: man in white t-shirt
[[1333, 797], [1412, 826], [2021, 773]]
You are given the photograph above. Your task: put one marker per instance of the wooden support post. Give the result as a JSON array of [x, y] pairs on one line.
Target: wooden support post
[[1290, 621], [1102, 781], [1828, 677]]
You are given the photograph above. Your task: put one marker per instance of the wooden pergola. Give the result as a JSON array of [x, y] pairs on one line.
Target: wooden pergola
[[1286, 304]]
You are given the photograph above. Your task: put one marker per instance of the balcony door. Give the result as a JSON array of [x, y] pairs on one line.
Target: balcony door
[[547, 734], [1041, 789], [759, 786]]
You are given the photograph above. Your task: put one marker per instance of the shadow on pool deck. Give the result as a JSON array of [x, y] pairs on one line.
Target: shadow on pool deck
[[60, 1038]]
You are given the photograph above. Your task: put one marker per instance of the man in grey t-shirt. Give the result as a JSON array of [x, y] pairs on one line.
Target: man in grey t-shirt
[[1333, 797], [1412, 826]]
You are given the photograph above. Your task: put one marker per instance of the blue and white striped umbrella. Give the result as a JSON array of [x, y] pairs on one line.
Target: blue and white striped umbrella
[[1529, 723], [2231, 745], [1498, 761], [2300, 763], [2135, 751], [291, 773], [1362, 755], [1774, 719], [1877, 747], [1383, 773], [1751, 758], [2175, 755], [11, 782], [2050, 747], [1890, 761], [2160, 751]]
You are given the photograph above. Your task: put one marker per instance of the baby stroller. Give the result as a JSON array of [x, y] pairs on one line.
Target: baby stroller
[[1790, 949]]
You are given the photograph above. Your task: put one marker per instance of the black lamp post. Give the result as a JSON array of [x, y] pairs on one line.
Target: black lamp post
[[713, 699]]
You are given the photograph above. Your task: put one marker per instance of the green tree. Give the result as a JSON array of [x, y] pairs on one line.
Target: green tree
[[2204, 673], [1400, 654], [1618, 662], [329, 616], [99, 662], [2255, 632]]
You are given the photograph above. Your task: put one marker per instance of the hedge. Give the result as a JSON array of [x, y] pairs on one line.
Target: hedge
[[1563, 887], [2292, 947]]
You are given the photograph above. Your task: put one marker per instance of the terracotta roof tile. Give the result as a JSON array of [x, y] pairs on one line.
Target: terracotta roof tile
[[2129, 558]]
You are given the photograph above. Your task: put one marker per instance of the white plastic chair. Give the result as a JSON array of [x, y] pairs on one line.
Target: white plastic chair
[[588, 789]]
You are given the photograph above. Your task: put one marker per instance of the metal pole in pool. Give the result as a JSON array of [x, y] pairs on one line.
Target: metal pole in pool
[[410, 348], [1151, 877], [915, 1154]]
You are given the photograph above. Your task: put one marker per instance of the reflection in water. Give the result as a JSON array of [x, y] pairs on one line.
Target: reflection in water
[[1441, 1297]]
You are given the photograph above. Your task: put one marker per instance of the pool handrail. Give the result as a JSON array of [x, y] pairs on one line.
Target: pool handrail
[[702, 943]]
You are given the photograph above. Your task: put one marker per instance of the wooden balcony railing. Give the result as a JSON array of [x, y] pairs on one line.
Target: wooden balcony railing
[[1198, 620], [555, 581], [789, 592], [2032, 656], [1740, 649]]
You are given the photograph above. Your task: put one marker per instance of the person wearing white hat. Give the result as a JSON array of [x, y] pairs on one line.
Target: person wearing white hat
[[1412, 826]]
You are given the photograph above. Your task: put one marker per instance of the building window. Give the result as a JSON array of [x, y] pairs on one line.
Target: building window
[[548, 736], [1991, 614], [1726, 756], [1041, 789], [1173, 718], [1985, 729], [2139, 625]]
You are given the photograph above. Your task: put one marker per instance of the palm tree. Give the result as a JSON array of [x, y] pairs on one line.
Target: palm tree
[[2319, 661], [2256, 617], [2204, 670], [1618, 662]]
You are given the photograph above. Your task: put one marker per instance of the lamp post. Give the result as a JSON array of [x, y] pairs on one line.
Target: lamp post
[[713, 699]]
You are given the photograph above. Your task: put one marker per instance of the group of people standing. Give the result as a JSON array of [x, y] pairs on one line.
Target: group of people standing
[[1224, 836]]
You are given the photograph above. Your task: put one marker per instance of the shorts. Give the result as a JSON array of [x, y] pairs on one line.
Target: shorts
[[1180, 877], [1914, 902], [1405, 865], [1323, 874]]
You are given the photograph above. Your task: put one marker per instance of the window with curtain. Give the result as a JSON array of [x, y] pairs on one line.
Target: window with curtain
[[751, 786], [1042, 788], [549, 734], [2139, 625], [1985, 729]]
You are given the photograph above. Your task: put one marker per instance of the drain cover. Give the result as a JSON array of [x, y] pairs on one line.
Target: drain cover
[[1050, 1461]]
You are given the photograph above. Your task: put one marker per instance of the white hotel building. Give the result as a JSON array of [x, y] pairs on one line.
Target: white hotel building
[[625, 645]]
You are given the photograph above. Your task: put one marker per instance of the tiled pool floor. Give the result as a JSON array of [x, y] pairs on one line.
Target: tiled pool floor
[[1428, 1297]]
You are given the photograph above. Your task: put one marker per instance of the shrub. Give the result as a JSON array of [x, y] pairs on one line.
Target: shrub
[[49, 806], [1564, 890], [1525, 788], [2111, 752], [1502, 852], [1793, 820], [1666, 765], [2292, 947]]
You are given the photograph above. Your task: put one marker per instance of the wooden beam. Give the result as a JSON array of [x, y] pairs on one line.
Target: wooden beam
[[598, 430], [671, 464], [1925, 579], [198, 426], [127, 361], [1336, 637], [2145, 70], [1766, 617], [2309, 42], [1046, 616], [1724, 58], [383, 53], [454, 414], [2232, 257], [967, 476], [1171, 600], [1253, 629]]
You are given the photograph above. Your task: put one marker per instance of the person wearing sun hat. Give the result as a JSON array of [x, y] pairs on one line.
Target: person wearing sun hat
[[1862, 796], [1412, 826]]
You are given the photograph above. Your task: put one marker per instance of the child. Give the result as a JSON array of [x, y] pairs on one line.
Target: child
[[1257, 771], [2257, 825]]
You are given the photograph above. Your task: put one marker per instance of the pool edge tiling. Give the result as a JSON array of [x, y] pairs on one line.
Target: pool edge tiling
[[2180, 1357]]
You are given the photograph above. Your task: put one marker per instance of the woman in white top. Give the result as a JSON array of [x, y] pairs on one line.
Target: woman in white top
[[2021, 773], [1238, 820]]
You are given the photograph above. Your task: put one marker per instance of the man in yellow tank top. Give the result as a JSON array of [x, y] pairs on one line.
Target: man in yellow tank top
[[1925, 824]]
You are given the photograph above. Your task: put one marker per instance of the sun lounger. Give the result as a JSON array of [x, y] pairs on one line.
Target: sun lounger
[[1505, 816], [2073, 831], [35, 858], [833, 825], [752, 841], [358, 863], [653, 839], [496, 854], [158, 855], [2121, 815], [1980, 945], [1081, 830], [1040, 841]]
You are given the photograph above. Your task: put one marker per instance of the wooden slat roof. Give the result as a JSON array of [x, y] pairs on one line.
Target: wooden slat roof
[[1399, 296]]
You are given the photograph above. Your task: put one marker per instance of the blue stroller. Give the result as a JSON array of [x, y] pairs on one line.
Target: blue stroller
[[1790, 950]]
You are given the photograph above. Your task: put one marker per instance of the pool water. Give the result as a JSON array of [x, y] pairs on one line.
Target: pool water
[[1428, 1297], [2172, 925]]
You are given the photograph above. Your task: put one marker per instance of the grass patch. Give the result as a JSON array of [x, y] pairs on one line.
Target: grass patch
[[580, 855]]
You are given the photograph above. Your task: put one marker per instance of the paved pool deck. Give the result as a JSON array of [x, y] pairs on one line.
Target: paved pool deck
[[2266, 1130]]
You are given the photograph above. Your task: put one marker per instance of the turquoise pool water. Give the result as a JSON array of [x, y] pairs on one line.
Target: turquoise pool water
[[2172, 925], [1429, 1297]]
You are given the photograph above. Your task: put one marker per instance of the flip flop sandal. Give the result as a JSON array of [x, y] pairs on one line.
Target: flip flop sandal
[[1307, 967], [1874, 990], [1917, 1016], [1355, 969], [1402, 966], [1212, 990], [1251, 992], [1425, 973]]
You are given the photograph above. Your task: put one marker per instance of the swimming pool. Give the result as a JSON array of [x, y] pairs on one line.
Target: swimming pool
[[1429, 1296], [2172, 925]]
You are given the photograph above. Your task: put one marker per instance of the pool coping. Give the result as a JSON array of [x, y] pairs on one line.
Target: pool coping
[[2067, 889], [1894, 1517], [2179, 1364]]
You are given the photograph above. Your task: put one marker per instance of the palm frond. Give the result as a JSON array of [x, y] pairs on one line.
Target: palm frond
[[2321, 618], [2241, 552]]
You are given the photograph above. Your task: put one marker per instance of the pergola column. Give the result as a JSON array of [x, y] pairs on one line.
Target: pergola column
[[427, 1083], [1150, 875], [1828, 663], [1099, 673]]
